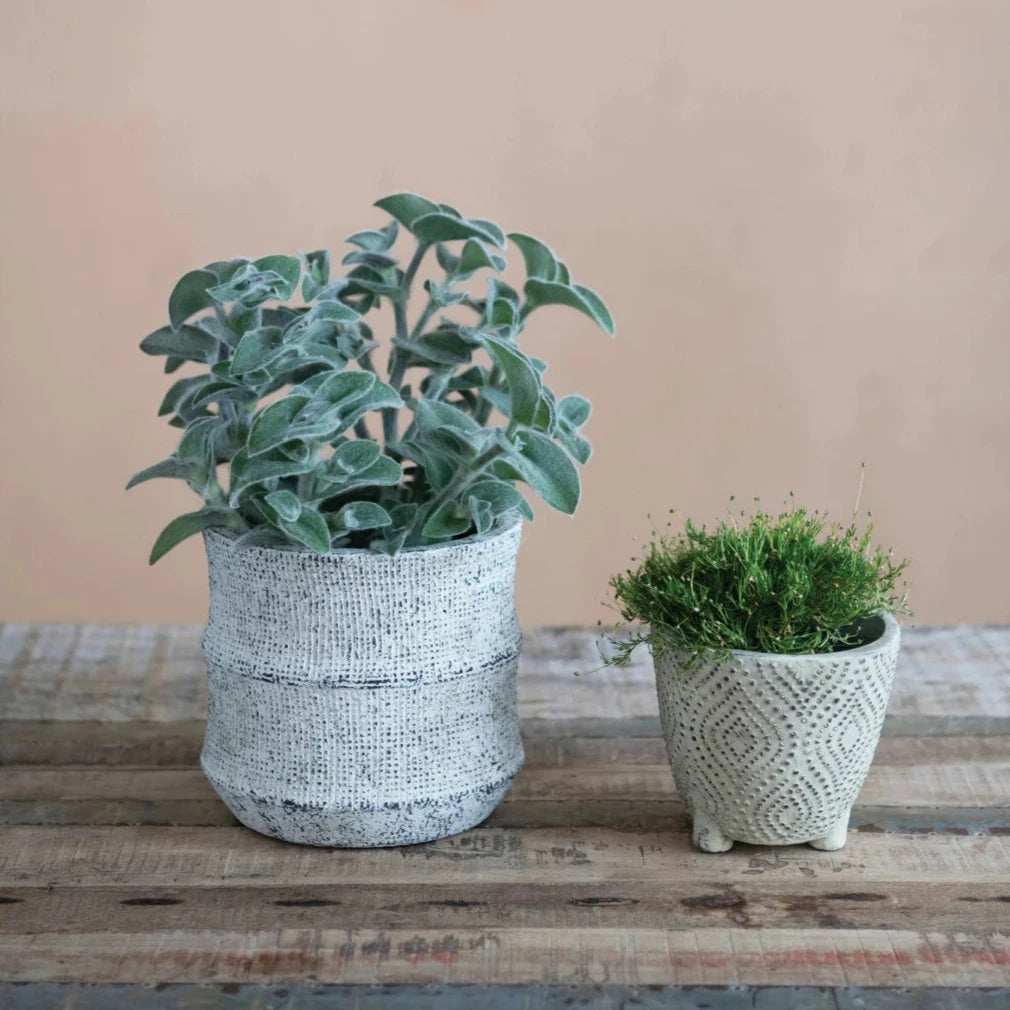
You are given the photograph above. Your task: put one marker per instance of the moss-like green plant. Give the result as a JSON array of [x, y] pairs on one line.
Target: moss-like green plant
[[790, 584], [277, 438]]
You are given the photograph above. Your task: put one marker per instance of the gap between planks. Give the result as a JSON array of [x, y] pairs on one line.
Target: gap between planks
[[642, 815], [757, 903]]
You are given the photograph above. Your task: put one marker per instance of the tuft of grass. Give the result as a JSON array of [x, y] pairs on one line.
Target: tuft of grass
[[791, 584]]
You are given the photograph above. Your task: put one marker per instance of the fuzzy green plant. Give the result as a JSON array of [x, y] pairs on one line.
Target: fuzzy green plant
[[291, 436], [791, 584]]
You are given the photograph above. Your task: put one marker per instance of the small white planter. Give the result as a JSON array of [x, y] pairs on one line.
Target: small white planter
[[773, 749], [358, 699]]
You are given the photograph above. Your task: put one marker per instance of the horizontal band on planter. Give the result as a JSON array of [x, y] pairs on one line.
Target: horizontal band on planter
[[338, 682]]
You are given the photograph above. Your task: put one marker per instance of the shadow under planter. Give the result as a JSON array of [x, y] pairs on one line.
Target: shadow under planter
[[357, 699], [773, 749]]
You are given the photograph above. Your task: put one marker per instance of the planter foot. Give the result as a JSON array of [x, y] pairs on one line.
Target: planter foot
[[836, 837], [707, 835]]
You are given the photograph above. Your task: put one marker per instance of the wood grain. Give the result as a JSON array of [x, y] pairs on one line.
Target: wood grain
[[118, 864], [573, 777], [956, 771], [166, 856], [510, 956]]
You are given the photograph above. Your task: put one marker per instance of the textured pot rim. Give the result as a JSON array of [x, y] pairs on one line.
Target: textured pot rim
[[889, 636], [500, 529], [891, 632]]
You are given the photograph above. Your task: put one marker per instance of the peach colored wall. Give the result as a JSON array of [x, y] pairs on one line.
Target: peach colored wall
[[799, 212]]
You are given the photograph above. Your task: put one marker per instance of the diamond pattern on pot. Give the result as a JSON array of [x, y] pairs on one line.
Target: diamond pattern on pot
[[774, 749]]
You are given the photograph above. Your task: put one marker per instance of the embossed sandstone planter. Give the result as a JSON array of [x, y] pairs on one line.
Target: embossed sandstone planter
[[773, 749], [358, 699]]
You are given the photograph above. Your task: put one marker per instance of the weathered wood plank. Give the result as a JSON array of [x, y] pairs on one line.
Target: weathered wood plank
[[894, 750], [206, 813], [312, 996], [576, 774], [758, 902], [24, 741], [937, 765], [954, 783], [109, 673], [638, 814], [961, 783], [595, 956], [126, 673], [531, 906], [166, 857], [670, 816]]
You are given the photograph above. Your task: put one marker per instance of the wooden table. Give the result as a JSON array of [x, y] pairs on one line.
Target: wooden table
[[118, 864]]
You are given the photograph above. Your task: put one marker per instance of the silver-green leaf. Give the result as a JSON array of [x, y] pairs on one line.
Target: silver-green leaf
[[548, 469], [273, 423], [187, 343], [286, 504], [522, 378], [540, 292], [189, 296], [406, 207], [442, 227], [449, 520], [539, 259], [361, 515], [170, 467], [309, 529], [192, 522]]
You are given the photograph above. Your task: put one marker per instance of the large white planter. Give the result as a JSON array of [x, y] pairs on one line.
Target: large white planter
[[773, 749], [358, 699]]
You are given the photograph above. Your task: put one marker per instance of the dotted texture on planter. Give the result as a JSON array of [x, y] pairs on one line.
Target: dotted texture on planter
[[360, 699], [774, 749]]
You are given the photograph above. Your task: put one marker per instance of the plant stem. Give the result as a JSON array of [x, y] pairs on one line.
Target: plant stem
[[212, 491], [222, 316], [305, 482], [483, 411], [436, 386], [429, 311], [397, 363], [408, 277], [463, 476], [397, 366], [859, 493]]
